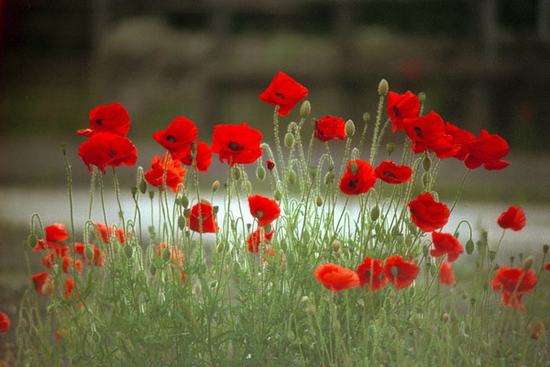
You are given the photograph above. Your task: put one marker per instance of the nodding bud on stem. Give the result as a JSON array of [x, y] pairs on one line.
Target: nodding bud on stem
[[427, 163], [291, 177], [215, 186], [469, 246], [151, 194], [246, 186], [277, 195], [350, 128], [31, 240], [134, 191], [305, 109], [89, 253], [375, 213], [142, 186], [528, 263], [319, 201], [545, 249], [383, 87], [236, 173], [181, 222], [390, 147], [260, 173], [354, 168], [289, 140], [335, 245]]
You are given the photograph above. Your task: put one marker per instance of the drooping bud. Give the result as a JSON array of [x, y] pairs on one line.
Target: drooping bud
[[291, 176], [492, 255], [31, 240], [390, 147], [469, 246], [528, 263], [329, 178], [270, 164], [305, 109], [427, 163], [289, 140], [375, 213], [350, 128], [181, 222], [383, 87], [277, 195], [215, 186], [142, 186], [89, 253], [134, 191], [260, 173]]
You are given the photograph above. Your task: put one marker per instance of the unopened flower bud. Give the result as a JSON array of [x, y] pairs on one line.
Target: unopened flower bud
[[246, 186], [492, 255], [291, 176], [151, 194], [142, 186], [89, 253], [329, 178], [469, 246], [390, 147], [260, 173], [277, 195], [31, 240], [319, 201], [445, 317], [215, 186], [289, 140], [375, 213], [545, 248], [335, 245], [427, 163], [350, 128], [366, 117], [270, 164], [236, 173], [383, 87], [528, 263], [181, 222], [305, 109]]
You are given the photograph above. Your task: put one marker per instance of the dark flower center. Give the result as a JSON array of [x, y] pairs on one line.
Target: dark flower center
[[234, 146], [171, 138], [388, 174], [352, 183], [111, 153], [280, 95], [396, 111], [99, 122], [418, 131]]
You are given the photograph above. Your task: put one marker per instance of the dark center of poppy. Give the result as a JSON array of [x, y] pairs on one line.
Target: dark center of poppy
[[111, 153], [395, 271], [418, 131], [388, 174], [234, 146], [352, 184], [396, 111], [171, 138], [99, 122], [280, 95]]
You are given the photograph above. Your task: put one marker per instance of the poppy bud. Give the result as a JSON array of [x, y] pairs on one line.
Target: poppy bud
[[134, 191], [492, 255], [528, 263], [319, 201], [366, 117], [184, 201], [187, 213], [355, 154], [166, 254], [277, 195], [128, 251], [354, 168], [289, 140], [270, 164], [545, 249], [291, 177], [375, 213], [236, 173], [469, 246], [181, 222], [246, 187], [260, 173], [31, 240], [390, 147], [335, 245], [383, 87], [305, 109], [153, 270], [313, 173], [142, 186], [350, 128], [89, 253], [151, 195], [422, 97], [427, 163], [445, 317], [215, 186], [329, 178]]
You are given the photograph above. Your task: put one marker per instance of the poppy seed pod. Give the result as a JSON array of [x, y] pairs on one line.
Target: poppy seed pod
[[390, 147], [375, 213], [289, 140], [469, 247], [383, 87], [181, 222], [215, 186], [305, 109], [427, 163], [260, 173], [350, 128]]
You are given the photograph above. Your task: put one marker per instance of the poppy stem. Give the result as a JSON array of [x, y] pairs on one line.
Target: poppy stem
[[278, 139], [460, 187], [92, 191], [69, 175], [374, 146], [117, 193]]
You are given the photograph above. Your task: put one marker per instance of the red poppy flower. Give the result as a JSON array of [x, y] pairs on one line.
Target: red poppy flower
[[513, 218], [392, 173], [335, 277], [371, 272], [460, 137], [428, 214], [284, 92], [176, 255], [120, 236], [98, 255], [270, 164], [264, 209], [258, 237], [107, 150], [69, 285], [67, 264], [487, 150], [399, 272], [43, 283], [111, 118], [514, 283], [56, 233], [402, 106], [178, 136], [537, 330], [446, 274], [237, 143], [174, 172], [547, 266], [5, 322], [330, 128], [358, 179], [428, 132], [446, 244], [203, 158], [202, 216]]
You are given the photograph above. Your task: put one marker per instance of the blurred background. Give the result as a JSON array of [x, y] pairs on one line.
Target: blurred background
[[482, 63]]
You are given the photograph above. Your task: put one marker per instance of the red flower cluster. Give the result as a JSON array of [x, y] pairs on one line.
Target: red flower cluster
[[400, 107], [202, 218], [264, 209], [514, 283], [284, 92], [359, 178], [202, 159], [167, 169], [447, 274], [513, 218], [487, 150], [258, 237], [104, 234], [330, 128], [237, 144], [428, 214]]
